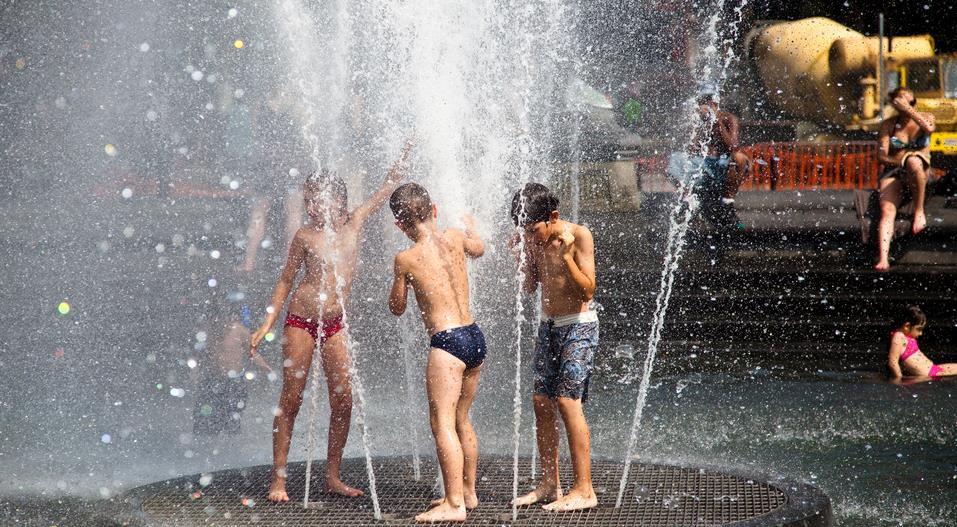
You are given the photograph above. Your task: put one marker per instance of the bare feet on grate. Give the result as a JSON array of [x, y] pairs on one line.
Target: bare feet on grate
[[336, 486], [471, 501], [573, 501], [443, 512], [543, 492], [277, 490]]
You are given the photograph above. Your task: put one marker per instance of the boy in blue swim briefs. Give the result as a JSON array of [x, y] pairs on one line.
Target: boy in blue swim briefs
[[560, 256], [434, 267]]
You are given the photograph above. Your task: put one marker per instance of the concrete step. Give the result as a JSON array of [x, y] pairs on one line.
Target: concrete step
[[824, 330], [757, 307], [777, 281]]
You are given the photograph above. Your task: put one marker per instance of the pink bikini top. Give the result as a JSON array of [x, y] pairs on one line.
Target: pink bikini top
[[911, 346]]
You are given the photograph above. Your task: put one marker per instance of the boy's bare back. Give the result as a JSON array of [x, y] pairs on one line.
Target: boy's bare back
[[435, 270]]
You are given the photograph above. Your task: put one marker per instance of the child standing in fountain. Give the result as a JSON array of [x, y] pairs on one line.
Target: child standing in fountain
[[905, 356], [560, 256], [327, 249], [435, 270]]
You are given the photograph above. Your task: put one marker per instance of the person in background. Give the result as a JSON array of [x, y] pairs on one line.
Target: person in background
[[903, 354], [221, 389], [904, 150]]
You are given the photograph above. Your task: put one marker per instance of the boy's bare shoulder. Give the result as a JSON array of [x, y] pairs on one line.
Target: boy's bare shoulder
[[303, 234], [404, 254], [404, 258], [580, 231], [454, 233]]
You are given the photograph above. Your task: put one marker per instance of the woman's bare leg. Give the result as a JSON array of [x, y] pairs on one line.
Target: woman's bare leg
[[917, 182], [948, 369], [890, 199]]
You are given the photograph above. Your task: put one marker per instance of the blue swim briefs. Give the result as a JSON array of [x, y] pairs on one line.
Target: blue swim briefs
[[466, 343]]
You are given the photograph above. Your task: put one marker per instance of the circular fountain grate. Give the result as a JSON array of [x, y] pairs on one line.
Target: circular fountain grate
[[657, 495]]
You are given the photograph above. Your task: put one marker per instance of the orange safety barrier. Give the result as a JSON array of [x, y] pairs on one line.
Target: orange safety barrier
[[806, 166]]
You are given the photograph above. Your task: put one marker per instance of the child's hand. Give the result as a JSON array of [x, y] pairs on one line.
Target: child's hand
[[568, 242], [257, 337], [399, 167], [469, 221], [900, 103]]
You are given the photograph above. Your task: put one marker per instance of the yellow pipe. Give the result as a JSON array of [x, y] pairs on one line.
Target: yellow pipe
[[812, 68]]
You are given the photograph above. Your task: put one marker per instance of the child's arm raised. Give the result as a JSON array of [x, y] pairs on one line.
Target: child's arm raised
[[898, 345], [578, 253], [297, 253], [389, 184], [472, 243], [399, 294]]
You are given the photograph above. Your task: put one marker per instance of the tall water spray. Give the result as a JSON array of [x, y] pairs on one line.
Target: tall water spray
[[481, 83], [407, 340], [328, 57], [712, 68]]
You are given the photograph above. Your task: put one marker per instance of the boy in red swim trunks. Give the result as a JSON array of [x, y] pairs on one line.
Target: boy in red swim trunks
[[326, 248]]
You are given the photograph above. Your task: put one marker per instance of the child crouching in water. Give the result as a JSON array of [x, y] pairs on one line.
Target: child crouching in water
[[560, 256], [904, 356], [434, 267], [327, 249]]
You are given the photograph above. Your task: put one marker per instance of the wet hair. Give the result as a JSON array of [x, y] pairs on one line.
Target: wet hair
[[411, 205], [328, 180], [533, 204], [893, 94], [910, 315]]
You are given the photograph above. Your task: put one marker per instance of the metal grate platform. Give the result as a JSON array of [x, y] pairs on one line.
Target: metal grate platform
[[657, 495]]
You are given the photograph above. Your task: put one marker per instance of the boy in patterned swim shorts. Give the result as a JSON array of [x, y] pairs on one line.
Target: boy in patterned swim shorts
[[560, 256]]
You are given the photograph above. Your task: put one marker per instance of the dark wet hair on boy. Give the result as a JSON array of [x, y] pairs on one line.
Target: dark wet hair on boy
[[411, 205], [533, 204], [328, 180], [910, 315]]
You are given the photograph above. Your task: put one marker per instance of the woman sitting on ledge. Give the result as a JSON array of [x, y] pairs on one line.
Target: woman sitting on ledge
[[904, 149]]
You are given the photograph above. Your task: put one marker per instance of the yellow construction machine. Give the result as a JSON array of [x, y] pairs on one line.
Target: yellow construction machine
[[818, 70]]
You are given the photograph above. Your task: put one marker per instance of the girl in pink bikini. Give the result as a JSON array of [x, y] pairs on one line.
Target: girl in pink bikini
[[905, 356]]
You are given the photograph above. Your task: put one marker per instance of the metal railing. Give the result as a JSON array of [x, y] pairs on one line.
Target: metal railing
[[812, 166]]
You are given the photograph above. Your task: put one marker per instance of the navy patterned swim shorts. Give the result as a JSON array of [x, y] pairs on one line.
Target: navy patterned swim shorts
[[563, 359]]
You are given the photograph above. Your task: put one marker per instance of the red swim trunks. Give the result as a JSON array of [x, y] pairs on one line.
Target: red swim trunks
[[329, 327]]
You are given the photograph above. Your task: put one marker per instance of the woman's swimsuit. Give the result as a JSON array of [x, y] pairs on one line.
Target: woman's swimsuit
[[921, 142], [911, 349], [329, 326], [914, 148]]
